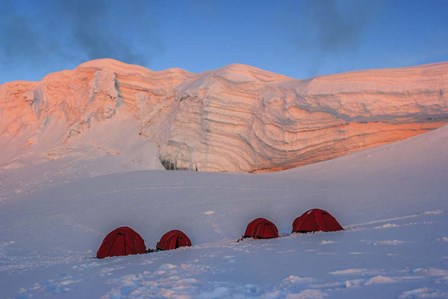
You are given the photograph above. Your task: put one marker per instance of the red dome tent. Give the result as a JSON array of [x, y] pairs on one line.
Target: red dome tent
[[121, 241], [315, 220], [172, 240], [261, 228]]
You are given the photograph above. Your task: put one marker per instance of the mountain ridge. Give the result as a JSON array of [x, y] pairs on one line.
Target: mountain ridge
[[235, 118]]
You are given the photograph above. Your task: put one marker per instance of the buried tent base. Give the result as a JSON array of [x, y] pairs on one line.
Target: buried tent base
[[316, 220], [172, 240], [120, 242], [261, 228]]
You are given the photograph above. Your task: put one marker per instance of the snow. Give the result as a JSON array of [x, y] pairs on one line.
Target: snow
[[236, 118], [391, 200]]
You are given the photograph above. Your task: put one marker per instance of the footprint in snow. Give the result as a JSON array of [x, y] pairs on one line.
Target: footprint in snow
[[52, 286], [325, 242], [435, 212], [230, 259], [293, 279], [380, 279], [387, 225], [384, 242], [388, 242], [423, 293], [357, 253], [352, 271], [443, 239]]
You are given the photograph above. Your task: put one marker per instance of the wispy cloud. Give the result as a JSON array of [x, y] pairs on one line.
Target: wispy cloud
[[51, 31], [331, 27]]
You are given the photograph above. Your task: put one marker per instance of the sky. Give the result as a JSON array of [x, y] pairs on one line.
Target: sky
[[300, 39]]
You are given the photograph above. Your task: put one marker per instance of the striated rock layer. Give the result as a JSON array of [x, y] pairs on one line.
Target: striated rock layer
[[237, 118]]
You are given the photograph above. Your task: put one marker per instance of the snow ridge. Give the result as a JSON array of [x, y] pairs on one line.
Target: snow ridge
[[236, 118]]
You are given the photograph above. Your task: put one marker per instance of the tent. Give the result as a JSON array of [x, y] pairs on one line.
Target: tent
[[315, 220], [121, 241], [172, 240], [261, 228]]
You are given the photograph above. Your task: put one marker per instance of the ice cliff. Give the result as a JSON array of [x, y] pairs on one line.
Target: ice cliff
[[237, 118]]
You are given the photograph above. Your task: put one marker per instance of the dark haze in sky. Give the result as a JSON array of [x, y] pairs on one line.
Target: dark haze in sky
[[35, 33], [328, 31]]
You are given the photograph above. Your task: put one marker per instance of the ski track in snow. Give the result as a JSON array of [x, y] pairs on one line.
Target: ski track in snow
[[388, 225]]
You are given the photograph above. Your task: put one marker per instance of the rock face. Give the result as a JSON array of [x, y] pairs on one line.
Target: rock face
[[237, 118]]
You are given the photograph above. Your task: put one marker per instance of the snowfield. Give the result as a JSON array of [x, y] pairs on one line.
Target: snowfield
[[392, 200]]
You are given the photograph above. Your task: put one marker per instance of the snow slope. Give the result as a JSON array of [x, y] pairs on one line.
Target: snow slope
[[392, 200], [100, 150]]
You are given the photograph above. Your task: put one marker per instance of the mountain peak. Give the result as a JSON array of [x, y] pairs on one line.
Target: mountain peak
[[126, 68], [112, 64], [242, 72]]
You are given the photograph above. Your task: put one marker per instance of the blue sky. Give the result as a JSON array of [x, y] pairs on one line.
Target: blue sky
[[300, 39]]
